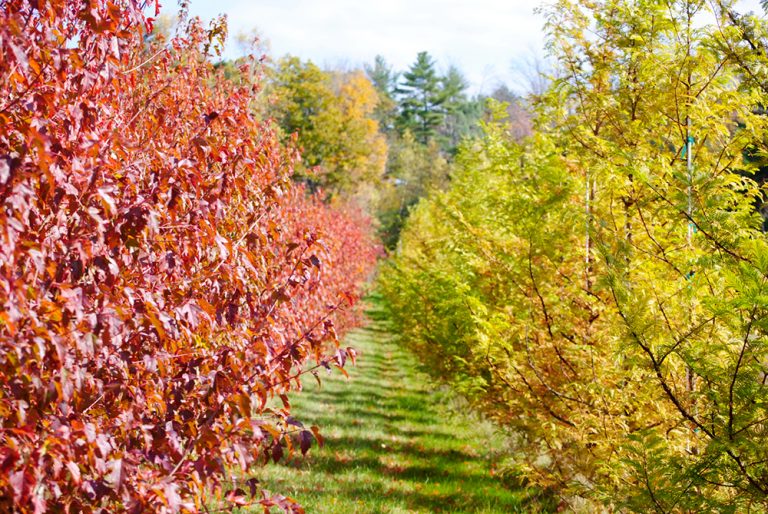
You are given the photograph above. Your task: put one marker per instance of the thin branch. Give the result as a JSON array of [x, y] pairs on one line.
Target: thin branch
[[744, 346], [150, 59]]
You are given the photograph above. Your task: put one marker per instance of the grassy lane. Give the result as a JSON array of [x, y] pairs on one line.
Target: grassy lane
[[393, 443]]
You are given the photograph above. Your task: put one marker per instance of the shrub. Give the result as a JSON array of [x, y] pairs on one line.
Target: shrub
[[161, 277]]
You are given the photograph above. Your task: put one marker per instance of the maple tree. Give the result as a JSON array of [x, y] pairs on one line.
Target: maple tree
[[162, 278], [331, 116]]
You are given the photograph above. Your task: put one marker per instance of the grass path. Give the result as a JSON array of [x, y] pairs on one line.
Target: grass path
[[393, 443]]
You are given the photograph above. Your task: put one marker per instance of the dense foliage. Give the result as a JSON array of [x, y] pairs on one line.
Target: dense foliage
[[162, 278], [426, 116], [601, 288], [330, 115]]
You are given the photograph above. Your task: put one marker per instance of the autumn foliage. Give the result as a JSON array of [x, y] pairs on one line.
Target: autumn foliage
[[162, 280], [601, 288]]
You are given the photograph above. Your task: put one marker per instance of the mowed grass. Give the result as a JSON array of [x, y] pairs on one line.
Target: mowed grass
[[394, 443]]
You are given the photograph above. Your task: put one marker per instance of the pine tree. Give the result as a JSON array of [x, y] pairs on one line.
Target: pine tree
[[421, 97], [384, 80], [461, 113]]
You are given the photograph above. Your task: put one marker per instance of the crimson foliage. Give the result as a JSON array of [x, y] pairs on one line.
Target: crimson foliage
[[161, 277]]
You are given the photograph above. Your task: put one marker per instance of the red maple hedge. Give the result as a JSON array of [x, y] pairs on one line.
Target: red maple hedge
[[161, 276]]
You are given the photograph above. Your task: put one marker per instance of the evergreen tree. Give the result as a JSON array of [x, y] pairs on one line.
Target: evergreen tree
[[462, 113], [384, 80], [421, 97]]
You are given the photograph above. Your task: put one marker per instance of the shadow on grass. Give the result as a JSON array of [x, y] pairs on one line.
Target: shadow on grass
[[393, 444]]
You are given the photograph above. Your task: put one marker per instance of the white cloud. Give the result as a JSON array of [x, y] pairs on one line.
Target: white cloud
[[482, 37]]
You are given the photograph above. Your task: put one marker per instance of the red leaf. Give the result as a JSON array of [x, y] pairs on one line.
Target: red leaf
[[305, 441], [252, 484], [19, 486], [74, 470], [21, 57], [277, 451], [237, 497]]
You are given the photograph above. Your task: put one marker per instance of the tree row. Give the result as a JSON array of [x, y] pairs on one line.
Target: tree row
[[600, 288]]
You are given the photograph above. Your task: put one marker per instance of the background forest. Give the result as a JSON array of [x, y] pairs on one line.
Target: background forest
[[184, 241], [378, 137]]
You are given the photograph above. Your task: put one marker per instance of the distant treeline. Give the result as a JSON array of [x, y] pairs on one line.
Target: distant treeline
[[380, 136]]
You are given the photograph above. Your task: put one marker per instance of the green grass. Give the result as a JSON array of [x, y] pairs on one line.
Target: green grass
[[394, 443]]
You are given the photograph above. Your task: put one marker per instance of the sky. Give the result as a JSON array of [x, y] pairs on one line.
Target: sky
[[490, 41]]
